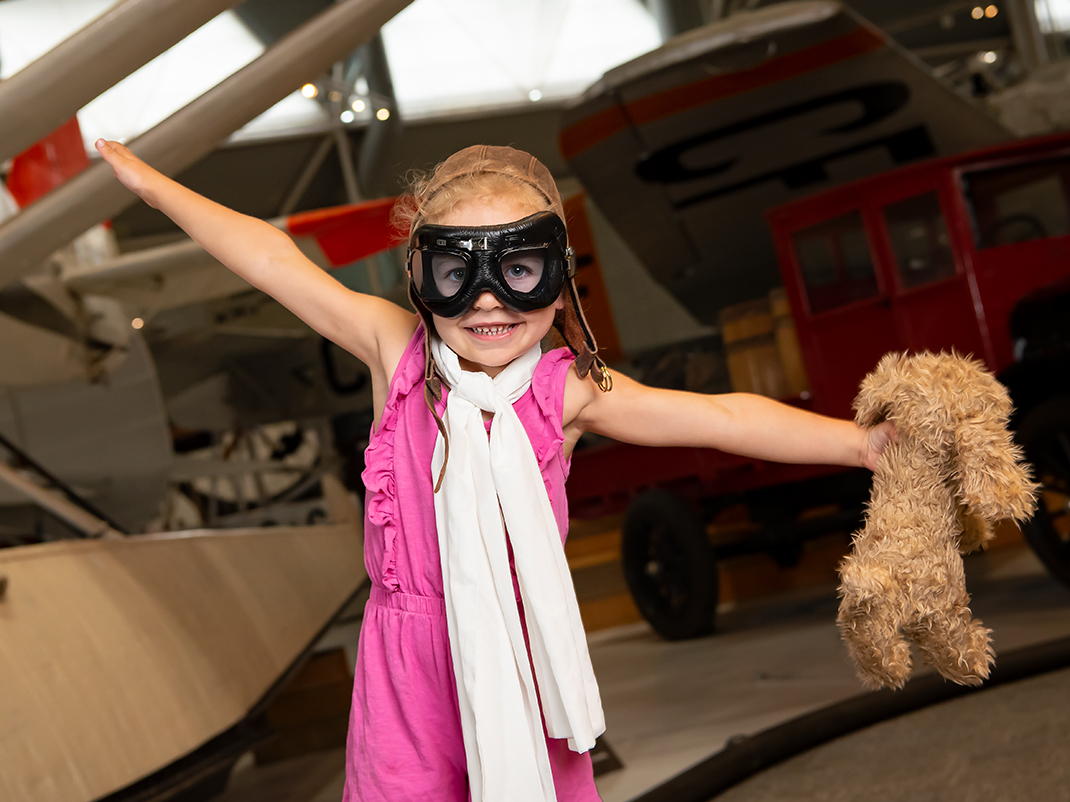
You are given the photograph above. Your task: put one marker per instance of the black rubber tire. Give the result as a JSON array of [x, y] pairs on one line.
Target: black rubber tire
[[669, 565], [1044, 433]]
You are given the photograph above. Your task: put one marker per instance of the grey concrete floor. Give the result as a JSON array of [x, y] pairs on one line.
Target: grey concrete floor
[[1009, 743], [669, 705]]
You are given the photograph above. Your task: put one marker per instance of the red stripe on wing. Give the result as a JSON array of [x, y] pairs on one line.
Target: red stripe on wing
[[348, 233]]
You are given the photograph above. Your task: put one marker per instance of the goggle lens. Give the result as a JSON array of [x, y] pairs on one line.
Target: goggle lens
[[522, 270], [449, 272]]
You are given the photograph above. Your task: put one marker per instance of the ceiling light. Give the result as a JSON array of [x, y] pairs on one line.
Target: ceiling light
[[347, 116], [358, 105], [991, 11], [977, 12], [382, 114], [988, 57], [535, 94], [309, 90], [137, 323]]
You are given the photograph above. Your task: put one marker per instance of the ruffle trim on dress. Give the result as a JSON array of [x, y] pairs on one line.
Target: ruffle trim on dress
[[548, 389], [378, 477]]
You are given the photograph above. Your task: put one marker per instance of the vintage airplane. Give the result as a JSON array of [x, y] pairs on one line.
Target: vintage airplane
[[129, 351], [686, 147]]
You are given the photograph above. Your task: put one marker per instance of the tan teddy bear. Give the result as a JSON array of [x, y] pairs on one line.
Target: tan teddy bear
[[951, 474]]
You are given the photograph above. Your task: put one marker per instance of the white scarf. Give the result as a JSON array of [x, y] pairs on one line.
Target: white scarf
[[491, 486]]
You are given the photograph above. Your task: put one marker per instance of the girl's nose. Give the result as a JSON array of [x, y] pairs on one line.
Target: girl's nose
[[487, 300]]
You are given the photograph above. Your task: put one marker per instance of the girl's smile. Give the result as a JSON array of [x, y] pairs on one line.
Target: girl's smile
[[492, 332]]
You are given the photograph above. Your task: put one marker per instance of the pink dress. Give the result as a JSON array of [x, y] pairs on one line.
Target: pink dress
[[405, 738]]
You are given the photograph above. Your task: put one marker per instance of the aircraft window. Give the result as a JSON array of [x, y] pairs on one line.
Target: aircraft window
[[919, 240], [1021, 203], [835, 260]]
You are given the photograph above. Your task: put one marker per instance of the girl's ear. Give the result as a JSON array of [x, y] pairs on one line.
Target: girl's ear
[[560, 302]]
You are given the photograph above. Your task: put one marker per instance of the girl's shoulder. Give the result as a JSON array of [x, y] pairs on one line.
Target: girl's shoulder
[[397, 334]]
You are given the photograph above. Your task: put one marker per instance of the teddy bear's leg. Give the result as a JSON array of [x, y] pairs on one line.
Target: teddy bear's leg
[[869, 622], [958, 646], [880, 653]]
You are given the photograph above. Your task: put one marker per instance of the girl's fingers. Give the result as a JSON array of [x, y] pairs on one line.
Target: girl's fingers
[[112, 150], [877, 440], [107, 151], [130, 170]]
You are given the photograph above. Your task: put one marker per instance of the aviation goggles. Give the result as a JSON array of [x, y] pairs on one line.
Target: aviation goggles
[[524, 264]]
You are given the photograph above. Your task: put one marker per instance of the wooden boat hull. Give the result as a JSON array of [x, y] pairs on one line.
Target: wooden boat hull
[[119, 657]]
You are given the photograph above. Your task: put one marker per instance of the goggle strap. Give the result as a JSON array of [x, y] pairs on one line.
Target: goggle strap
[[432, 382], [428, 397], [432, 394], [589, 360], [589, 340]]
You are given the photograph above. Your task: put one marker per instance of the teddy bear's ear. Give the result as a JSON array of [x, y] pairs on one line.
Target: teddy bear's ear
[[875, 394]]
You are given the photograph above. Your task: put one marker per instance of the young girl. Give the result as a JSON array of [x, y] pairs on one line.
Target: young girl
[[473, 678]]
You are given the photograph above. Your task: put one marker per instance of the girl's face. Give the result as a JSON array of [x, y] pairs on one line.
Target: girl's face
[[490, 335]]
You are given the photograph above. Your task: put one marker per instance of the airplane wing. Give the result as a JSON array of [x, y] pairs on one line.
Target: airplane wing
[[170, 276], [70, 327], [685, 147]]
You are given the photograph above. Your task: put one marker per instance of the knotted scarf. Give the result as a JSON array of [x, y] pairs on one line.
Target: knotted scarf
[[491, 486]]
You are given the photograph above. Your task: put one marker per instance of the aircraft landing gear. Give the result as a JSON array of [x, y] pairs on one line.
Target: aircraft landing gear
[[669, 565]]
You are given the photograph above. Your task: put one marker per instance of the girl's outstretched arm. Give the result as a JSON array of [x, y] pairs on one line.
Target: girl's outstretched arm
[[372, 329], [740, 423]]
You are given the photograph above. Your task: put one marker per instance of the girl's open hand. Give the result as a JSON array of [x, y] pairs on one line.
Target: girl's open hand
[[876, 440], [133, 173]]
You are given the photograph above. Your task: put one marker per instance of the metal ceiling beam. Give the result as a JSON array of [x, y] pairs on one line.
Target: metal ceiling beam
[[270, 20], [27, 239], [49, 91], [381, 135], [1028, 39]]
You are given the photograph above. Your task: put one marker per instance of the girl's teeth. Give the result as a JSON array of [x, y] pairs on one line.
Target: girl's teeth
[[490, 331]]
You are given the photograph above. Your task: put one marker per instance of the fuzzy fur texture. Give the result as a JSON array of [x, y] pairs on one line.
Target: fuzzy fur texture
[[952, 473]]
